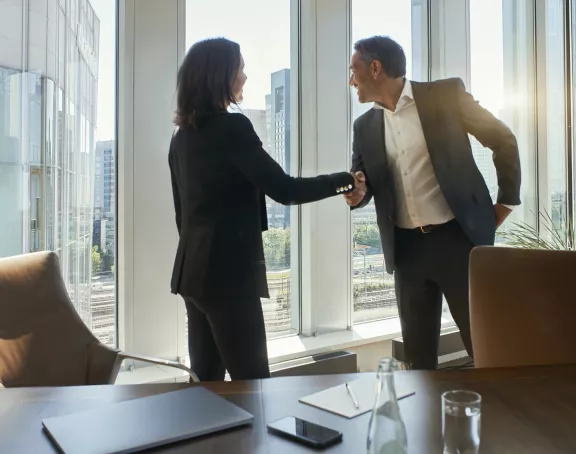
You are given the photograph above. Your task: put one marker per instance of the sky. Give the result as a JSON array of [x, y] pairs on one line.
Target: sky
[[105, 126], [487, 52], [262, 28]]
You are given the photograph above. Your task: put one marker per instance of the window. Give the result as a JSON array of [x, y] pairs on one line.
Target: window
[[48, 160], [373, 289], [502, 80], [267, 96], [553, 198]]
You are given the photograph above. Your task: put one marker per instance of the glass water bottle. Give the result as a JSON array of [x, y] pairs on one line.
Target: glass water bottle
[[386, 432]]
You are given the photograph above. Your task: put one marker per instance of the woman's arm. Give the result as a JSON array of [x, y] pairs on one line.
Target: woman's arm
[[175, 192], [265, 173]]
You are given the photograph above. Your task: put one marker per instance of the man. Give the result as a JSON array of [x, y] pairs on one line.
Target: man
[[432, 203]]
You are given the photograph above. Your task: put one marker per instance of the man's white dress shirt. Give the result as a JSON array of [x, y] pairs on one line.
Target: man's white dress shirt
[[419, 199]]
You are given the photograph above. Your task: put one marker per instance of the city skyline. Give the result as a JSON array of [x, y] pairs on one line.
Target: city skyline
[[366, 20]]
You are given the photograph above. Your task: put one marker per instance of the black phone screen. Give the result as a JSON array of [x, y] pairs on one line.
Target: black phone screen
[[305, 431]]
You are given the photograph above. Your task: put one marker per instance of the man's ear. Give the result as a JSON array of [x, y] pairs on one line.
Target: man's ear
[[375, 68]]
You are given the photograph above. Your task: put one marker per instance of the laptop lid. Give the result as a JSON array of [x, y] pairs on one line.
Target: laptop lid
[[145, 423]]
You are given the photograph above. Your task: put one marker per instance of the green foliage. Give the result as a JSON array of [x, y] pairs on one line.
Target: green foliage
[[557, 236], [277, 243], [107, 262], [96, 260], [366, 235], [360, 289], [277, 248]]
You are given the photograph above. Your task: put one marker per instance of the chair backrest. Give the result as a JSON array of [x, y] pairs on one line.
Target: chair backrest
[[43, 341], [522, 307]]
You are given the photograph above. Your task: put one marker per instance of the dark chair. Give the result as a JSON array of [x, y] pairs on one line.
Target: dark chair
[[43, 341], [522, 307]]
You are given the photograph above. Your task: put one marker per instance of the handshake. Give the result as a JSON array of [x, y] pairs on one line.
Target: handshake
[[356, 196]]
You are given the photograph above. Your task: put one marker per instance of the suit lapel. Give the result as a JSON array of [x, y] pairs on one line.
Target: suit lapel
[[376, 143], [427, 107]]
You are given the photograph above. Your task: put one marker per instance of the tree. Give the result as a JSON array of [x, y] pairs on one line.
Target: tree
[[107, 261], [367, 235], [96, 260], [277, 248]]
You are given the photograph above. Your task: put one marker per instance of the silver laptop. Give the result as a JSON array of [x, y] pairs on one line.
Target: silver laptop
[[145, 423]]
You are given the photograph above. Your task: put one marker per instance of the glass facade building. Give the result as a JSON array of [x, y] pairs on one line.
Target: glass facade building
[[48, 99]]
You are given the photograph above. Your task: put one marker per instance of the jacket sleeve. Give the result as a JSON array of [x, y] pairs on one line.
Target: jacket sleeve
[[358, 166], [175, 192], [247, 154], [493, 134]]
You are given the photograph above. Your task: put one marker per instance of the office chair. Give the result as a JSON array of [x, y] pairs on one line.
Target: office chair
[[522, 307], [43, 340]]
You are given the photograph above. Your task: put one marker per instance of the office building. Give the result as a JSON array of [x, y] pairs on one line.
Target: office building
[[485, 163], [105, 200], [278, 120], [105, 178], [48, 98], [269, 143], [258, 119]]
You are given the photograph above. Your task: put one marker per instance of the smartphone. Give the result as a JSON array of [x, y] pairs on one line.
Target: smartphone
[[305, 432]]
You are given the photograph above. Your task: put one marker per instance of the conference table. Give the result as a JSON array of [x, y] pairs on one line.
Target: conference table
[[529, 410]]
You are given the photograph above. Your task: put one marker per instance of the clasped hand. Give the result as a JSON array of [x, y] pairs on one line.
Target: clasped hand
[[356, 196]]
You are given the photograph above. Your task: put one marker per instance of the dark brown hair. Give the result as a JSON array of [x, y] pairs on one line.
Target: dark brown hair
[[205, 80], [387, 51]]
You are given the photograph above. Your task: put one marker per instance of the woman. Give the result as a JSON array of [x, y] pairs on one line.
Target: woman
[[220, 176]]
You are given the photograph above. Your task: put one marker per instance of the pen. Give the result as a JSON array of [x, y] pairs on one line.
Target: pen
[[352, 396]]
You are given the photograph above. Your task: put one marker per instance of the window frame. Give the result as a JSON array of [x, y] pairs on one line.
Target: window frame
[[321, 137]]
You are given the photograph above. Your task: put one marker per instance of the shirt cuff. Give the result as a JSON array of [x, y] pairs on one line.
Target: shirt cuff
[[510, 207]]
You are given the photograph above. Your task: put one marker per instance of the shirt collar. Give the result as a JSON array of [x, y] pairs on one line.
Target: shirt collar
[[405, 97]]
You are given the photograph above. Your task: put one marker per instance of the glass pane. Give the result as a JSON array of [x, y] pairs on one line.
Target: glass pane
[[502, 80], [267, 103], [553, 187], [373, 289], [48, 132], [99, 170], [12, 173], [573, 201]]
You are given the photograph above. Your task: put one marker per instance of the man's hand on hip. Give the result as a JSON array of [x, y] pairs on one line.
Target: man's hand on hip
[[502, 213], [356, 196]]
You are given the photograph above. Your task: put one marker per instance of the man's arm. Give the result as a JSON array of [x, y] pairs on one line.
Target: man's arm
[[494, 134], [358, 198]]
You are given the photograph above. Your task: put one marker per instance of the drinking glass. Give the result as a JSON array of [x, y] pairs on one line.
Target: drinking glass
[[461, 422]]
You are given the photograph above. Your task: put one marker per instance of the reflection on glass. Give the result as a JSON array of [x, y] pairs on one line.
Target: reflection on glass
[[553, 198], [502, 80], [48, 123], [267, 96]]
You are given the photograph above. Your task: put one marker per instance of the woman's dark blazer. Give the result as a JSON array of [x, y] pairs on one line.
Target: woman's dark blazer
[[220, 176]]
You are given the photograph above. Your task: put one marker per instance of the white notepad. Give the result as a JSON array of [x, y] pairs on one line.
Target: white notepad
[[337, 400]]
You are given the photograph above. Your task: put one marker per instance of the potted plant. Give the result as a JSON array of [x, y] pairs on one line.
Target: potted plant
[[553, 236]]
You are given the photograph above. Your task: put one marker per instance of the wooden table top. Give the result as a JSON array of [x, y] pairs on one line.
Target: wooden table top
[[524, 411]]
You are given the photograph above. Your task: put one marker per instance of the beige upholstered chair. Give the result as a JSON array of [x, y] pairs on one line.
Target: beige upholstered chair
[[43, 341], [522, 307]]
